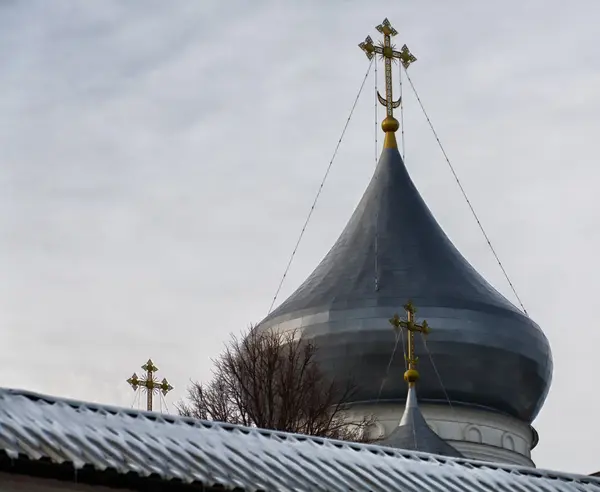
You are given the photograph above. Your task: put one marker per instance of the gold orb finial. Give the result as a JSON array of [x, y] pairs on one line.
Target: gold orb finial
[[411, 376], [390, 124]]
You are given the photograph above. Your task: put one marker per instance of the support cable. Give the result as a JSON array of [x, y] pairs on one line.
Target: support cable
[[376, 159], [466, 197], [437, 373], [136, 397], [399, 336], [164, 403], [401, 113], [312, 208], [404, 352], [387, 371], [376, 116]]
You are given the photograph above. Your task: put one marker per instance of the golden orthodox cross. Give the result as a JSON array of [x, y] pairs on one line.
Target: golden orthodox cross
[[389, 54], [149, 383], [411, 375]]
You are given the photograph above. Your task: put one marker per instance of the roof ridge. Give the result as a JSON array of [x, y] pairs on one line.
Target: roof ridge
[[294, 438]]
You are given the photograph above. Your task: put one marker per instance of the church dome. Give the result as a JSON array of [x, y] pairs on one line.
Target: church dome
[[486, 351]]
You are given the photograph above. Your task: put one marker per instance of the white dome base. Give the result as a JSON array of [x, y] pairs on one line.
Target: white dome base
[[478, 434]]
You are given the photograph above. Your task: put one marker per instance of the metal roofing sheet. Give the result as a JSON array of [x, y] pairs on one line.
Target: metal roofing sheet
[[211, 453]]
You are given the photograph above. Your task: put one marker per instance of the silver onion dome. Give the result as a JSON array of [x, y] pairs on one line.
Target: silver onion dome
[[486, 351]]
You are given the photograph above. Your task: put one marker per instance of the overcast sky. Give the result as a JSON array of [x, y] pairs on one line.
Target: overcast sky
[[158, 159]]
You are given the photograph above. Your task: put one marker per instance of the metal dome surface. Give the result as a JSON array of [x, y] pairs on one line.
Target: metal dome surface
[[486, 351]]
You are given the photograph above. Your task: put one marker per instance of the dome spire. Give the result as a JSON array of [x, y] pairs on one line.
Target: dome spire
[[387, 51], [413, 431]]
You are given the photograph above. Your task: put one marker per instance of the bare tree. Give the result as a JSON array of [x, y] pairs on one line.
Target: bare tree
[[273, 381]]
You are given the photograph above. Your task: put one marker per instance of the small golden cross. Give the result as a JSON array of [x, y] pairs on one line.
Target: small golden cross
[[411, 375], [389, 54], [149, 382]]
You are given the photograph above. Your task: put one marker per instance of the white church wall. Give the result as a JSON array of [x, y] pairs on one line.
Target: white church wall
[[19, 483], [477, 434]]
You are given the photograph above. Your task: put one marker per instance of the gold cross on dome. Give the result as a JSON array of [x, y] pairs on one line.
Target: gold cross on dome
[[388, 52], [411, 375], [150, 384]]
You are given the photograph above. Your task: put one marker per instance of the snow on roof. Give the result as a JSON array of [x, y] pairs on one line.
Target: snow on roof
[[214, 454]]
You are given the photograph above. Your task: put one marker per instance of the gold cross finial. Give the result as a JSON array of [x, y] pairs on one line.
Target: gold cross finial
[[387, 51], [149, 383], [411, 375]]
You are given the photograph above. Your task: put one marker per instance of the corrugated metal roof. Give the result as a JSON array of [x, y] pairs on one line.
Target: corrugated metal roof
[[127, 441]]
